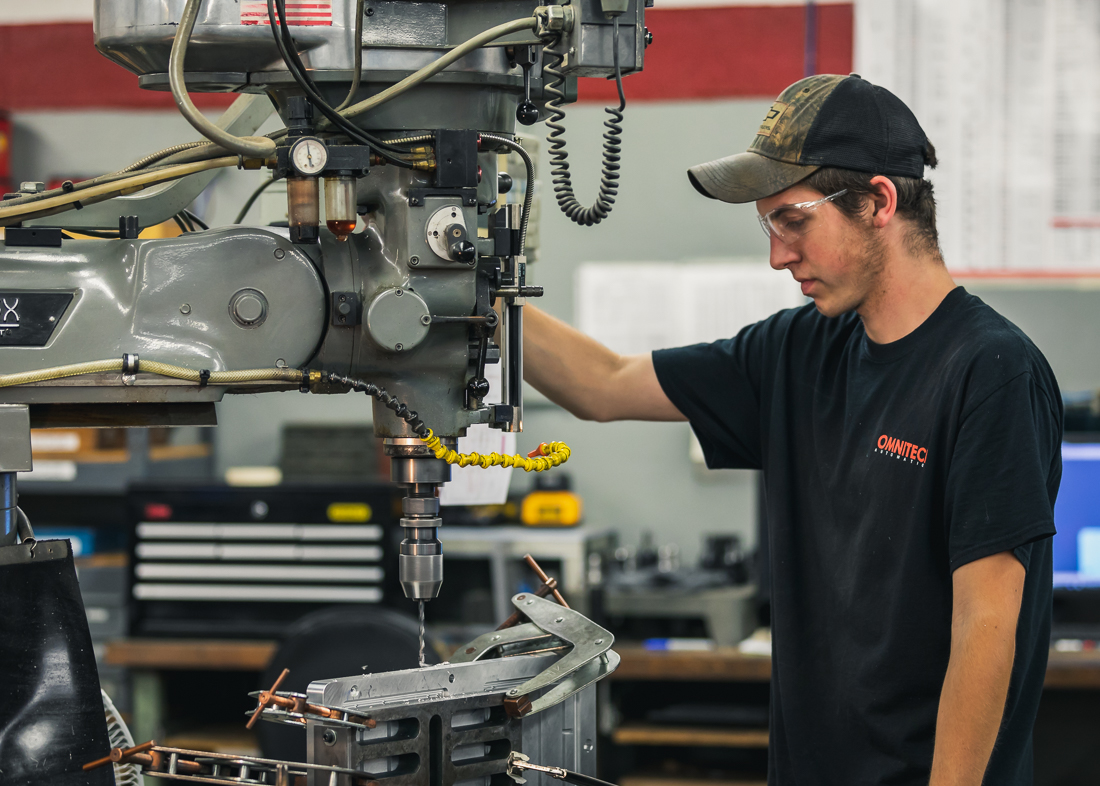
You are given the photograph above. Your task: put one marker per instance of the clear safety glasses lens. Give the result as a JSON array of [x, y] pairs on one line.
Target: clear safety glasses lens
[[790, 222]]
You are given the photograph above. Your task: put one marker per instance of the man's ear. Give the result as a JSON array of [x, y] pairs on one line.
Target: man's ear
[[884, 200]]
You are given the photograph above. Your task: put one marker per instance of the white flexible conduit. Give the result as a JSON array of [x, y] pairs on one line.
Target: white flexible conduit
[[433, 68], [253, 147]]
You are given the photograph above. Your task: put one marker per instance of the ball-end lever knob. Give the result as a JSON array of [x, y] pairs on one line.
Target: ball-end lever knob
[[478, 387], [463, 251], [527, 113]]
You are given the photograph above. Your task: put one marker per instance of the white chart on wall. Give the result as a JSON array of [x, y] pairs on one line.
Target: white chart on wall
[[1009, 93], [636, 307]]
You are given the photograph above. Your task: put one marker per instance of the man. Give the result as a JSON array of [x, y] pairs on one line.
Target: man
[[910, 443]]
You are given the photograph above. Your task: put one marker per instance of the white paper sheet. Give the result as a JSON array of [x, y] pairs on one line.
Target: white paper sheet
[[474, 485]]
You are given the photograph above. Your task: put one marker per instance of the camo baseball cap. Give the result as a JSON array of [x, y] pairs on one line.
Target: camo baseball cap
[[825, 120]]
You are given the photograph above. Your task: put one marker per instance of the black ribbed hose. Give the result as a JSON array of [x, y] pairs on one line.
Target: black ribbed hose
[[419, 427]]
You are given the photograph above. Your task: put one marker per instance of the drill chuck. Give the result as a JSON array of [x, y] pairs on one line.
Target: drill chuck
[[421, 575], [420, 557]]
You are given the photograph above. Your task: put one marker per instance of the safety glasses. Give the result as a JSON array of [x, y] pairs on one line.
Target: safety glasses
[[790, 222]]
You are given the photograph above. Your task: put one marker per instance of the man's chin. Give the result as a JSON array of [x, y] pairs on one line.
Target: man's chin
[[828, 307]]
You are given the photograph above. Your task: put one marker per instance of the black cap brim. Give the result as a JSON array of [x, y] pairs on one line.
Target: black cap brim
[[746, 177]]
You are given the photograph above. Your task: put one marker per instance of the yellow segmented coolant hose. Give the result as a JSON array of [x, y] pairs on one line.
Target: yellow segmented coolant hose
[[542, 458]]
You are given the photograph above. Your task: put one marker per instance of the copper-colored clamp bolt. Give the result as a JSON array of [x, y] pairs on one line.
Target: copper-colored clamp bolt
[[119, 755], [517, 706], [546, 580], [266, 699], [548, 586]]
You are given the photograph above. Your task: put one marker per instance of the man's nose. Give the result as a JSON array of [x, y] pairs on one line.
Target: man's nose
[[781, 255]]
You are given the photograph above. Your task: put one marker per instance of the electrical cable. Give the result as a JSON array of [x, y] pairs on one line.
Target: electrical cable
[[69, 187], [357, 74], [285, 44], [23, 526], [252, 200], [293, 61], [430, 70], [529, 189], [94, 233], [408, 140], [153, 367], [24, 209], [253, 147], [560, 175], [195, 220], [184, 229], [152, 158]]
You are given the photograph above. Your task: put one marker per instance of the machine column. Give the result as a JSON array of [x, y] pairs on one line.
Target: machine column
[[15, 456]]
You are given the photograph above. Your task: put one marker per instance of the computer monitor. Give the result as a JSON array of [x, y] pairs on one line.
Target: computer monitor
[[1077, 518]]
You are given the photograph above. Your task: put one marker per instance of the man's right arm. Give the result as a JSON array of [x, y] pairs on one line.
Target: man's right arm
[[588, 379]]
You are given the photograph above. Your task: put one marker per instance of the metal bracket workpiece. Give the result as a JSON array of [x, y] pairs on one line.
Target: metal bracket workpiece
[[496, 639], [589, 640], [589, 660]]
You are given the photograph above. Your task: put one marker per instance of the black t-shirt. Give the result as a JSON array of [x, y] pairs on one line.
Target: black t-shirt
[[886, 467]]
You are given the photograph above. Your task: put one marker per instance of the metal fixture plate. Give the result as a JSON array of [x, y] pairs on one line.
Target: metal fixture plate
[[367, 693]]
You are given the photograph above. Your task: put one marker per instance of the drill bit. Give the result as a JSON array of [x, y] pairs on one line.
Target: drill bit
[[421, 604]]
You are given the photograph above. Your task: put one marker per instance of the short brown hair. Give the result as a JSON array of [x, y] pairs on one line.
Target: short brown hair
[[916, 201]]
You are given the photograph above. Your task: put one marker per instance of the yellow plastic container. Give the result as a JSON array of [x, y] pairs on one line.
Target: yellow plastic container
[[551, 509]]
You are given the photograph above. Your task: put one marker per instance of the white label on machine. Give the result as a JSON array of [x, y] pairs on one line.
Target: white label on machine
[[315, 12], [474, 485]]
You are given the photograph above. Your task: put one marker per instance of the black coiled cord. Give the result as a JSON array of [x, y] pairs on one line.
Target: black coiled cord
[[559, 158], [419, 427]]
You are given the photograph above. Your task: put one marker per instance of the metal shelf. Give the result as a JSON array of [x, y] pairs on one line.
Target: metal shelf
[[689, 736]]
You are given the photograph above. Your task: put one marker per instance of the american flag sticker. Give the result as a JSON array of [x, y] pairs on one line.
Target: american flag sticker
[[314, 12]]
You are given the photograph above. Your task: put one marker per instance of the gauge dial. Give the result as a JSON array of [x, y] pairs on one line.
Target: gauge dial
[[309, 156]]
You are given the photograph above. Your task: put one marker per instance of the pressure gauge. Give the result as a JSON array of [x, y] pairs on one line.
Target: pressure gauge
[[308, 156]]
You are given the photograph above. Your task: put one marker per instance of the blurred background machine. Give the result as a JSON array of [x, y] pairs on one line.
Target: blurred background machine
[[648, 595]]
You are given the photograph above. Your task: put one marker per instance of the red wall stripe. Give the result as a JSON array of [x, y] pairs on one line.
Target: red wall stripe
[[740, 51], [723, 52], [56, 66]]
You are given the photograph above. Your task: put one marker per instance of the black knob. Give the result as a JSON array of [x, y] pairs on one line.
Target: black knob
[[478, 387], [463, 251], [527, 113], [128, 227], [504, 183], [648, 37]]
